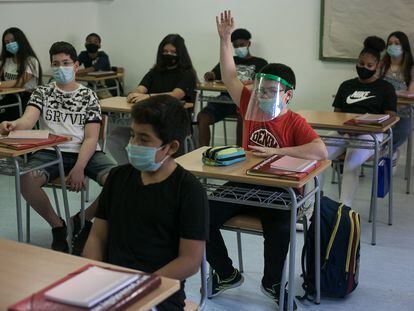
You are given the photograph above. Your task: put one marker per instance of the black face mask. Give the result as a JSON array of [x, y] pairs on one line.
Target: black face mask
[[169, 60], [364, 73], [91, 47]]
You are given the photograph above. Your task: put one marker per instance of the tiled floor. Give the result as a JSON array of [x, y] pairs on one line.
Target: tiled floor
[[386, 273]]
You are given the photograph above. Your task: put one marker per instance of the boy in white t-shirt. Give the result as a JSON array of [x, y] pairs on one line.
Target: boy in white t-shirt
[[64, 107]]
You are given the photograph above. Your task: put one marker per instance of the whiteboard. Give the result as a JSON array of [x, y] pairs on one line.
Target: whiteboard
[[346, 23]]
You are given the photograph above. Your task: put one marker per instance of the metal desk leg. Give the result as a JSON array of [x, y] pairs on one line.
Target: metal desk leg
[[18, 199], [19, 100], [203, 272], [65, 196], [409, 153], [374, 199], [318, 241], [292, 251], [118, 89], [390, 193]]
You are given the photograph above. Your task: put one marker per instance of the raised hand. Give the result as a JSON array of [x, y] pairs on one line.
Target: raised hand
[[225, 25]]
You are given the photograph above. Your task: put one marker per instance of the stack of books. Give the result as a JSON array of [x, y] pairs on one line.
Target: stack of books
[[370, 120], [26, 139]]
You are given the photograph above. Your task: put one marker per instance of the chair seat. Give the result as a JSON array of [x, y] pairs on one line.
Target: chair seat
[[245, 222], [56, 182]]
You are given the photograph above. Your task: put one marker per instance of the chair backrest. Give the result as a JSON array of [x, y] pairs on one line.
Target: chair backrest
[[103, 130]]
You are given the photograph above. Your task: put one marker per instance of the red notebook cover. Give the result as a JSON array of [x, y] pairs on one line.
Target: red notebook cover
[[374, 125], [118, 301], [27, 143], [264, 169]]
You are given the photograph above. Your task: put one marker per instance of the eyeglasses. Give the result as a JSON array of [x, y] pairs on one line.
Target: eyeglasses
[[62, 64]]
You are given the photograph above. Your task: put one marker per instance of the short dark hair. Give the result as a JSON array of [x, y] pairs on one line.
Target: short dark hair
[[373, 45], [93, 34], [282, 71], [240, 33], [167, 116], [63, 47]]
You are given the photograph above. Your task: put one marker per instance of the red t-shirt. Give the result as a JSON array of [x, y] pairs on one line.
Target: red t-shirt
[[286, 130]]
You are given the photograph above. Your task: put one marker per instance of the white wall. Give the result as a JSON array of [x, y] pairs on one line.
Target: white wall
[[45, 23]]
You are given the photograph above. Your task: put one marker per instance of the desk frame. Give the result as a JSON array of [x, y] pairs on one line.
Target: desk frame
[[95, 80], [18, 103]]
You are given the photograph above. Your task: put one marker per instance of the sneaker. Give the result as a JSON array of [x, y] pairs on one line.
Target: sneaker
[[219, 286], [307, 214], [273, 293], [80, 235], [59, 242]]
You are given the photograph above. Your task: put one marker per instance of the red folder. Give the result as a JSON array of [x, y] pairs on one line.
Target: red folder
[[264, 169], [118, 301], [27, 143]]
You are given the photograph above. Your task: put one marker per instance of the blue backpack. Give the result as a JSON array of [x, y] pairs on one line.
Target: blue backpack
[[340, 246]]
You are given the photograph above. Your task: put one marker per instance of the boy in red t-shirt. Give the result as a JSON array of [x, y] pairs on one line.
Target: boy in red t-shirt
[[269, 128]]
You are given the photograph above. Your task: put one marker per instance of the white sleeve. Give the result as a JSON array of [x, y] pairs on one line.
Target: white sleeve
[[32, 67]]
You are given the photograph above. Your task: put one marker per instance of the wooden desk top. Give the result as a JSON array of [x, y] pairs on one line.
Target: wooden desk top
[[119, 104], [11, 90], [405, 101], [335, 121], [88, 78], [215, 86], [26, 269], [237, 172], [9, 152]]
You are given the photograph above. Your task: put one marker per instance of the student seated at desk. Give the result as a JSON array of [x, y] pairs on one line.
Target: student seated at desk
[[153, 214], [19, 67], [67, 108], [93, 59], [366, 94], [397, 68], [247, 66], [173, 74], [269, 128]]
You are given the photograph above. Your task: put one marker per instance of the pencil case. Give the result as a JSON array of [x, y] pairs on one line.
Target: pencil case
[[224, 155]]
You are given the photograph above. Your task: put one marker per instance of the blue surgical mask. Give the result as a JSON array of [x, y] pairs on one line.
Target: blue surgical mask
[[270, 107], [143, 158], [63, 75], [12, 47], [241, 51], [394, 50]]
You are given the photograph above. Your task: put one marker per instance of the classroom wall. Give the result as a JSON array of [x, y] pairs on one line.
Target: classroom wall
[[48, 22]]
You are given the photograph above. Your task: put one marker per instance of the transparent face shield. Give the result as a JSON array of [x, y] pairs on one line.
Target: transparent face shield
[[267, 99]]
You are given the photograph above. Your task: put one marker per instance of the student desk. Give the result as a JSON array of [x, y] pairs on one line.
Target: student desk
[[96, 80], [278, 200], [26, 269], [20, 171], [120, 104], [214, 86], [329, 120], [15, 91], [404, 101]]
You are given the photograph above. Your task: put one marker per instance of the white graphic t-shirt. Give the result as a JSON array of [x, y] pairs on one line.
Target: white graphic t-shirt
[[32, 68], [66, 113]]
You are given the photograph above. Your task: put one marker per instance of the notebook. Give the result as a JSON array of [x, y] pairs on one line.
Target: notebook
[[27, 143], [90, 287], [264, 169], [119, 300], [31, 134], [371, 118], [101, 73], [292, 164]]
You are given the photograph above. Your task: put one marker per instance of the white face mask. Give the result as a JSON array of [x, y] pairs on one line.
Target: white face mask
[[241, 51]]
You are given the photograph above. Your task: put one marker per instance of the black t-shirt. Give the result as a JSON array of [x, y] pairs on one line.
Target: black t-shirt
[[101, 62], [356, 97], [146, 222], [246, 68], [166, 81]]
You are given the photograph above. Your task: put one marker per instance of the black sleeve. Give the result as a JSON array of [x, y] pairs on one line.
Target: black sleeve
[[104, 202], [81, 58], [187, 83], [217, 71], [194, 213], [339, 98], [390, 98], [102, 63], [148, 79]]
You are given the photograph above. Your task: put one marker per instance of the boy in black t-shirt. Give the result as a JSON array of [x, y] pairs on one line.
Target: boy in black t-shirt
[[247, 66], [153, 214], [92, 59]]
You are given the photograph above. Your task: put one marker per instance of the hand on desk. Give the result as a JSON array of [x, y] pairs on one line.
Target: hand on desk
[[263, 152], [136, 97], [7, 126], [76, 179]]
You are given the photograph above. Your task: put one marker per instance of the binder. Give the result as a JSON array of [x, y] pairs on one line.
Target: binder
[[27, 143]]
